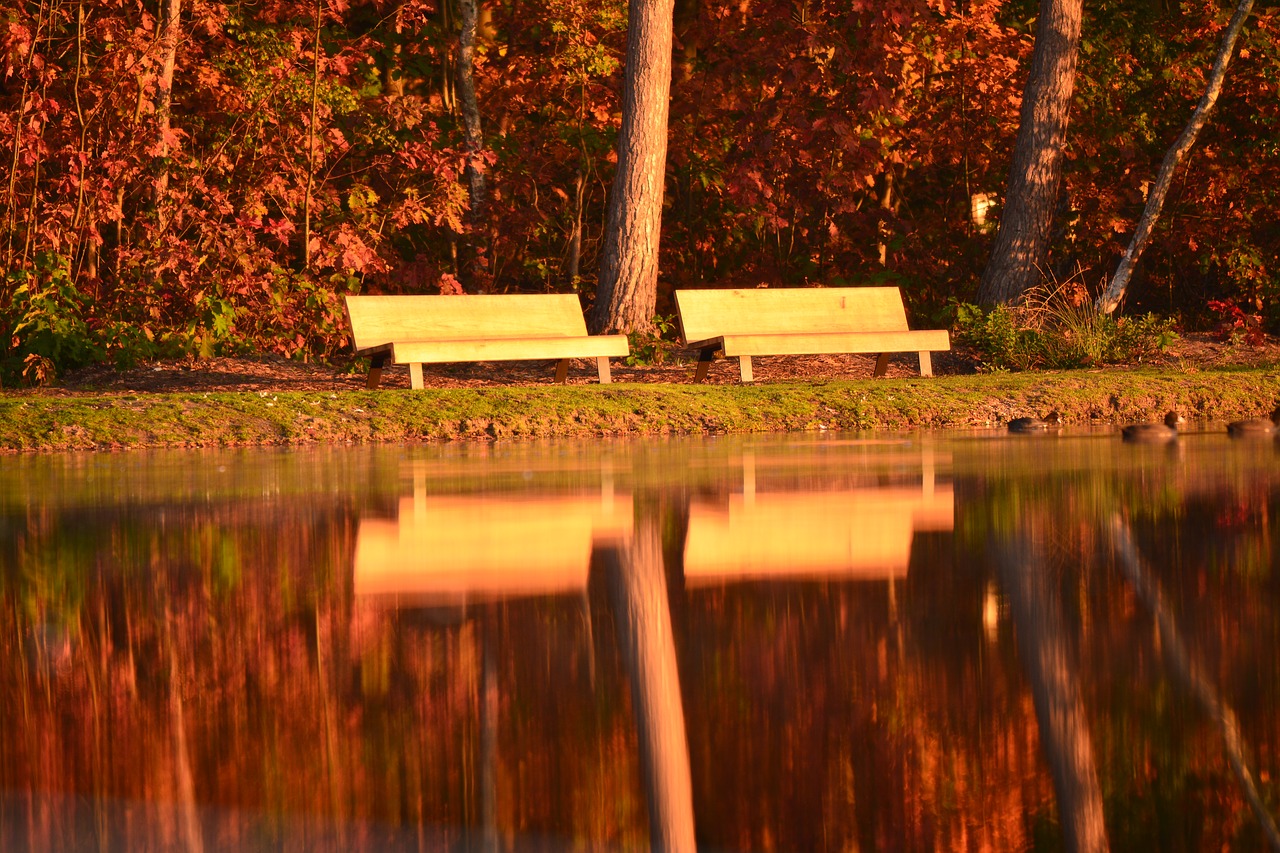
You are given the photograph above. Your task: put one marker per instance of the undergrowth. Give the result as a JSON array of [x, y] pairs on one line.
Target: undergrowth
[[1058, 329]]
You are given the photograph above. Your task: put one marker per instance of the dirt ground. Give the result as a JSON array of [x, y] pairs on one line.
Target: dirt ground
[[1190, 352]]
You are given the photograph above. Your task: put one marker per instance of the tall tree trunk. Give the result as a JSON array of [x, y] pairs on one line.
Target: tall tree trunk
[[1022, 243], [638, 588], [1055, 689], [1110, 300], [627, 293], [169, 30]]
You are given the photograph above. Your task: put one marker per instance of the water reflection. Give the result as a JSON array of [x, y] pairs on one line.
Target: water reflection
[[1053, 673], [812, 643], [861, 532], [452, 549]]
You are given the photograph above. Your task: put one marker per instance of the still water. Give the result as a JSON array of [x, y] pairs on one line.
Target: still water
[[924, 642]]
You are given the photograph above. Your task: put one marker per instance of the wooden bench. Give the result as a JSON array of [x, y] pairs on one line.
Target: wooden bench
[[801, 321], [418, 330]]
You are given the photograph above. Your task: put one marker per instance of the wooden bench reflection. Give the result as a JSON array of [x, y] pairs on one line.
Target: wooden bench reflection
[[861, 533], [445, 550], [453, 549]]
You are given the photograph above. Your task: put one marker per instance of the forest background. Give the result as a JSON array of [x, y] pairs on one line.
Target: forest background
[[211, 178]]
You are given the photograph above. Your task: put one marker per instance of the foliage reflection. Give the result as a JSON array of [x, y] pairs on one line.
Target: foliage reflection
[[820, 643]]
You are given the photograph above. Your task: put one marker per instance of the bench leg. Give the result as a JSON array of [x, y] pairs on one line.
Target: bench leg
[[562, 371], [602, 368], [376, 364], [744, 363], [882, 364], [704, 361], [415, 376], [926, 364]]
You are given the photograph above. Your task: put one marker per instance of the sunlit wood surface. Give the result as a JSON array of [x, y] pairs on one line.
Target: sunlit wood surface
[[377, 320], [787, 321], [862, 533], [445, 550]]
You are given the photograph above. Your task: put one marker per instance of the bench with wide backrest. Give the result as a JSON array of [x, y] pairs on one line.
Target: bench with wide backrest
[[801, 321], [418, 330]]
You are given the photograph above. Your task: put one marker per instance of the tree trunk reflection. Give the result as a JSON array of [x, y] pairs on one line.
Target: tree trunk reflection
[[638, 590], [1051, 671], [1191, 672]]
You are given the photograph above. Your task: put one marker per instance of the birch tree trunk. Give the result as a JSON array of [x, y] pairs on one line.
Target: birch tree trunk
[[1110, 300], [627, 293], [1022, 242]]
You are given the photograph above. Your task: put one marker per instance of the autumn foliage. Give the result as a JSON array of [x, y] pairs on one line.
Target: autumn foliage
[[313, 148]]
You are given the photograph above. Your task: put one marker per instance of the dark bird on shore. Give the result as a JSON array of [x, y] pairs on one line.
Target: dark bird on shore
[[1260, 427], [1166, 431], [1053, 420]]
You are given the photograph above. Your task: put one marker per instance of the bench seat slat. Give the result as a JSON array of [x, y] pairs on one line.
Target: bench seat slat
[[507, 349], [816, 343]]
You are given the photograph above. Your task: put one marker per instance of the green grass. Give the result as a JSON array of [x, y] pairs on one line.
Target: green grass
[[47, 423]]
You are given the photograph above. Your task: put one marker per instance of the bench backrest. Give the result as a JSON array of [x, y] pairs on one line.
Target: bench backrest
[[377, 320], [708, 314]]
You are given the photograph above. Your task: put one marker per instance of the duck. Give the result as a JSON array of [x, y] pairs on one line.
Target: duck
[[1166, 431], [1049, 421], [1262, 427]]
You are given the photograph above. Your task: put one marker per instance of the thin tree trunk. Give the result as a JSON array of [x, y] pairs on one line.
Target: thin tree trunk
[[11, 206], [393, 76], [572, 268], [311, 140], [31, 234], [886, 209], [81, 154], [626, 296], [1110, 300], [447, 93], [1055, 690], [1022, 242], [172, 12], [468, 14], [638, 588], [470, 106]]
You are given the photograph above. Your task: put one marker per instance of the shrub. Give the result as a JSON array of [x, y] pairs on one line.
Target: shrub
[[652, 348], [1058, 329], [44, 322]]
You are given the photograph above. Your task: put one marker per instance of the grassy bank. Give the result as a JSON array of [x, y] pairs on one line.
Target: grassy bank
[[50, 423]]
